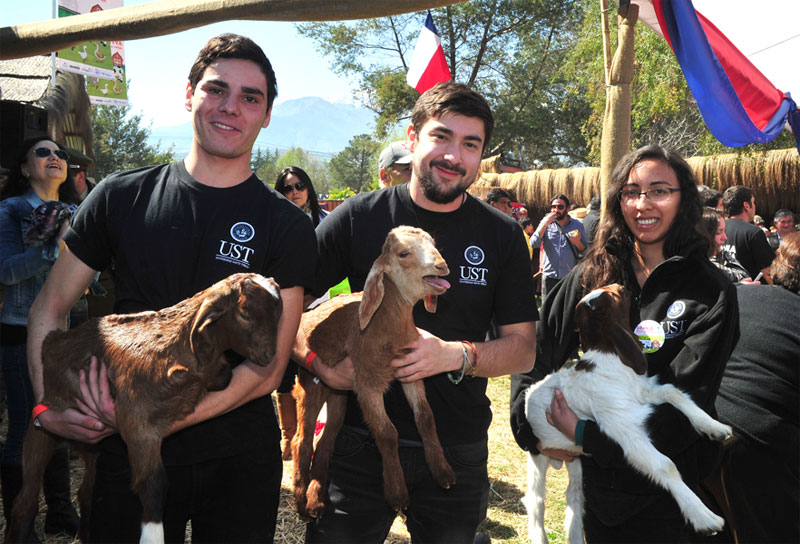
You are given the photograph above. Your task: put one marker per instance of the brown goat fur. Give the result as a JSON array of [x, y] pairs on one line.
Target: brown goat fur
[[160, 365], [373, 328]]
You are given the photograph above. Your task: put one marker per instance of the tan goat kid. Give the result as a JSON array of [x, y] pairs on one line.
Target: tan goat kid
[[373, 328], [160, 364]]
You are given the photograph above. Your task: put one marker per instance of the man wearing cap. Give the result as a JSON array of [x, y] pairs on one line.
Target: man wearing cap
[[78, 164], [394, 164]]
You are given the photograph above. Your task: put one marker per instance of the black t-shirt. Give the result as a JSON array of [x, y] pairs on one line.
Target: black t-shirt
[[169, 236], [489, 277], [748, 245], [759, 393]]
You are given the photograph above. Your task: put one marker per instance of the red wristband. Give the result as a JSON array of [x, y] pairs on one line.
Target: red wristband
[[310, 359], [39, 409]]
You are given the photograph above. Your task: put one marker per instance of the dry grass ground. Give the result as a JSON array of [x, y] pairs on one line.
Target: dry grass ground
[[505, 522]]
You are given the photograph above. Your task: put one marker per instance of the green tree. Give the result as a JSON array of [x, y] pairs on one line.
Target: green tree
[[509, 50], [356, 165], [120, 141]]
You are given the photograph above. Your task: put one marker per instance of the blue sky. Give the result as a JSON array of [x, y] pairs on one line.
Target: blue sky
[[158, 67]]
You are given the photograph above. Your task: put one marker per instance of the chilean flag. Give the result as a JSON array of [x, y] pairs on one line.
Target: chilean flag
[[428, 63], [738, 103]]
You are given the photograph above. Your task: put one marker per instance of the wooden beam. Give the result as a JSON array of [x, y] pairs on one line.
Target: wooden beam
[[170, 16]]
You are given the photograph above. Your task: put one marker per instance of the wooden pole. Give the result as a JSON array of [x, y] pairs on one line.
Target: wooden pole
[[616, 138]]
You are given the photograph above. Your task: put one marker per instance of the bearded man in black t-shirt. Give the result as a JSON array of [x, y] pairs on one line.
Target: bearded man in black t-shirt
[[170, 231], [490, 279]]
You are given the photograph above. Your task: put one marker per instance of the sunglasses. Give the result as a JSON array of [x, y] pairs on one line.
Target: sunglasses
[[299, 186], [43, 152]]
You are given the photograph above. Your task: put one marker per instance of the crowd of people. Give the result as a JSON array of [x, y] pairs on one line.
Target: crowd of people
[[690, 258]]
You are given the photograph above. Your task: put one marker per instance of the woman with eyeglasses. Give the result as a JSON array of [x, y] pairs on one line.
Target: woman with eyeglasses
[[32, 223], [295, 184], [684, 311]]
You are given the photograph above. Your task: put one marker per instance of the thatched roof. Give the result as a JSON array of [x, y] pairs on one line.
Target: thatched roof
[[774, 176], [67, 104]]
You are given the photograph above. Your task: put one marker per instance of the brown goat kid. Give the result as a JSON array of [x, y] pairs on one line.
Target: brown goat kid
[[373, 328], [160, 365]]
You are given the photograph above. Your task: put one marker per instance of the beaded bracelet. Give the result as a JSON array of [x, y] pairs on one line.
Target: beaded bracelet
[[464, 364]]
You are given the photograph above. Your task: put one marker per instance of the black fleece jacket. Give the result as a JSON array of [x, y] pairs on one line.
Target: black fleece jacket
[[696, 307]]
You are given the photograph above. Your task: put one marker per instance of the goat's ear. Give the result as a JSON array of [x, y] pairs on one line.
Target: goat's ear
[[372, 297], [200, 340], [628, 349]]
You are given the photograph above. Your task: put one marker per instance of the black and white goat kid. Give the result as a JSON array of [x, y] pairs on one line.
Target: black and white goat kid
[[609, 385]]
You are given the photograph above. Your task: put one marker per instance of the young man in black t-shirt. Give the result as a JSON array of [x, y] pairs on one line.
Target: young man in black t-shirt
[[490, 279], [746, 242], [171, 231]]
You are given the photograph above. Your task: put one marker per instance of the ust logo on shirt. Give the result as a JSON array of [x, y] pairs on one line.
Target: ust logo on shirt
[[237, 253], [674, 327], [473, 274]]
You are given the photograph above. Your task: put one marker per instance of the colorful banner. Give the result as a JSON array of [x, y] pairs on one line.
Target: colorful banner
[[113, 91], [738, 103], [103, 63]]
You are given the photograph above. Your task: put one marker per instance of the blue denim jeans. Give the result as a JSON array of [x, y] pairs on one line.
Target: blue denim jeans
[[359, 513], [20, 400]]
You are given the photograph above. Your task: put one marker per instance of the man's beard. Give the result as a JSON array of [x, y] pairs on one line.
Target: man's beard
[[433, 191]]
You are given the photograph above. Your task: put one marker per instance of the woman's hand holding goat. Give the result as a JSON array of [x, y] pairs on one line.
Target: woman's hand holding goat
[[560, 416], [429, 356]]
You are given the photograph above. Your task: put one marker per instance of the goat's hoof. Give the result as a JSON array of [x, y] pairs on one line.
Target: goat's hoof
[[719, 432], [316, 510], [446, 477], [710, 523], [399, 502]]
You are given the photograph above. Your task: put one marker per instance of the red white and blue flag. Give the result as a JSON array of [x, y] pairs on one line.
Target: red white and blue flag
[[738, 103], [428, 64]]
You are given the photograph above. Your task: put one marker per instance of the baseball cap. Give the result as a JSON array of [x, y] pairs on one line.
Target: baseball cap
[[395, 153]]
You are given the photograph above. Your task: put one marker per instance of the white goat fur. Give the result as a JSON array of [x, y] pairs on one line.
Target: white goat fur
[[620, 401]]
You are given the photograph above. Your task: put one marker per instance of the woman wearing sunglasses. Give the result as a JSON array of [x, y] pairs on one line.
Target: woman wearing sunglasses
[[29, 244], [682, 309], [294, 184]]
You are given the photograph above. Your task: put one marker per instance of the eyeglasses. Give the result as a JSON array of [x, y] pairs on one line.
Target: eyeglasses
[[657, 195], [43, 152], [299, 186]]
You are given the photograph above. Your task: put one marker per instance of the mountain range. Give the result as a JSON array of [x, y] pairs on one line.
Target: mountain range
[[319, 127]]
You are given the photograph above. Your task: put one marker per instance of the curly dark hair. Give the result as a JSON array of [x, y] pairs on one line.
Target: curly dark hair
[[604, 267], [17, 184], [301, 174], [785, 268]]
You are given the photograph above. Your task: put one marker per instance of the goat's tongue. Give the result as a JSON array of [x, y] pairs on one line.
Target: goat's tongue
[[436, 281]]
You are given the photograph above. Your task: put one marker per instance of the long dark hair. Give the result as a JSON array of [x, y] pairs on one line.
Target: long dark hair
[[313, 203], [17, 184], [710, 222], [603, 266]]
